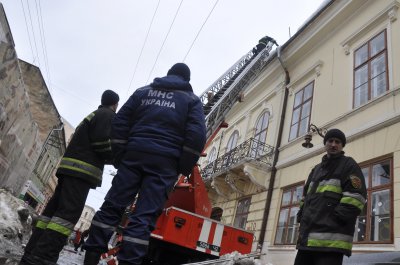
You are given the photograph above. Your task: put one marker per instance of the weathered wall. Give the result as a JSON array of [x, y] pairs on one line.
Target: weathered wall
[[19, 139], [41, 105], [27, 117]]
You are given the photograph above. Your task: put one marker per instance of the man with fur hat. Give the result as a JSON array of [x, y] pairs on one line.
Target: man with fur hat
[[80, 170], [158, 134], [333, 196]]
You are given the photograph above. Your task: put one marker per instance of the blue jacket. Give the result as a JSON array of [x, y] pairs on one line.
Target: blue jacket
[[165, 118]]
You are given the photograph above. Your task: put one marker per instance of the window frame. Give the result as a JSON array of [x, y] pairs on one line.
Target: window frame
[[289, 206], [212, 155], [370, 191], [229, 145], [262, 118], [368, 63], [239, 215], [300, 106]]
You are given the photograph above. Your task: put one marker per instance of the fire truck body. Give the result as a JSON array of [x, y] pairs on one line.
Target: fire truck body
[[202, 234]]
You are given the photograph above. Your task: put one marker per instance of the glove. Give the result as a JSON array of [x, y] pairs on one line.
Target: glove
[[118, 151], [186, 163]]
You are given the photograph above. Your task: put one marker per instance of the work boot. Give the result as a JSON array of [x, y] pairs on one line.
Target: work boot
[[91, 258]]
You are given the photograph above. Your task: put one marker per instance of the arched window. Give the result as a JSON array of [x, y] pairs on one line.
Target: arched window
[[262, 127], [212, 155], [260, 136], [232, 142]]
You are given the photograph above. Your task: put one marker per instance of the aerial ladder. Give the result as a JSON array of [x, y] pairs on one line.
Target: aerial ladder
[[185, 232], [220, 97]]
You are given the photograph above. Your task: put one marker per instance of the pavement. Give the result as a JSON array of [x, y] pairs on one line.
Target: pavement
[[382, 258]]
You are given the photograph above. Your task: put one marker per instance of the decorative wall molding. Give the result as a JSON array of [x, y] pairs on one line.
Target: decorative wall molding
[[315, 68], [389, 13]]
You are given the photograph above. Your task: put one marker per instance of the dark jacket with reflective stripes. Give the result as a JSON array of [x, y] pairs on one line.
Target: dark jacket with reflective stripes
[[89, 148], [333, 197], [165, 118]]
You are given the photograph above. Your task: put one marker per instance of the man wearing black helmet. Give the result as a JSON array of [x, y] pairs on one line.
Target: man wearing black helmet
[[158, 134], [333, 196], [80, 170]]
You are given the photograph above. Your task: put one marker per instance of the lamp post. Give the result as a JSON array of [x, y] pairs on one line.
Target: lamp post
[[308, 137]]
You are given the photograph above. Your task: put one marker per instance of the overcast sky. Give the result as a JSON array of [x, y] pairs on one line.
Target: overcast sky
[[84, 47]]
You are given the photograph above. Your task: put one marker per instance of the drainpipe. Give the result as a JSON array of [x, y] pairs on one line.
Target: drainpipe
[[276, 155]]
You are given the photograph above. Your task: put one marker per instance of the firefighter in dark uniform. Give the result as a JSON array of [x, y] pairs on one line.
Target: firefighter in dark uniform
[[80, 170], [159, 133], [262, 43], [333, 197]]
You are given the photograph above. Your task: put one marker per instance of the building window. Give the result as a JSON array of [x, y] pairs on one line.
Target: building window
[[374, 224], [232, 142], [260, 135], [242, 211], [262, 127], [370, 70], [288, 228], [212, 156], [301, 111]]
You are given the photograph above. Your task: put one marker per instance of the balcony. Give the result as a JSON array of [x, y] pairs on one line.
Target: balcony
[[242, 161]]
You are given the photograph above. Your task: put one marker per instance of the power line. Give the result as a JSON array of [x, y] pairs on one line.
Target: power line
[[198, 33], [42, 38], [27, 30], [141, 51], [33, 33], [71, 94], [165, 39]]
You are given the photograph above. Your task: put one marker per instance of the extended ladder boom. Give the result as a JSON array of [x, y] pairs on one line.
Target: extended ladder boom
[[220, 97]]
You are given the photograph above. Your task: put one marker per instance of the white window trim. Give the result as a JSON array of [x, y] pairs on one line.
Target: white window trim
[[389, 13]]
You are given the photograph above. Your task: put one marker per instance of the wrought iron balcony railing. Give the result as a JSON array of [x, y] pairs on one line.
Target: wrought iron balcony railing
[[250, 150]]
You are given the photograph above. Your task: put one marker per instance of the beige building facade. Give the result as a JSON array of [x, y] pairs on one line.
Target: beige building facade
[[85, 219], [340, 70]]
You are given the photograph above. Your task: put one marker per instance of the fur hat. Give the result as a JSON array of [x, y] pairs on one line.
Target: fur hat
[[109, 98], [180, 69], [335, 133]]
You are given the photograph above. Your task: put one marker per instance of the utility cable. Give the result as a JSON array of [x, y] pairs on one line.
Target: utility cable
[[42, 38], [33, 33], [198, 33], [72, 94], [27, 30], [141, 51], [165, 39]]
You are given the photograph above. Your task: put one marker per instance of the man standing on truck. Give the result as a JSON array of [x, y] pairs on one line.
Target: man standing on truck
[[80, 170], [333, 197], [158, 134]]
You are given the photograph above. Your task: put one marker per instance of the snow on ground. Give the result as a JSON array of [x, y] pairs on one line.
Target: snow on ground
[[69, 256], [15, 226]]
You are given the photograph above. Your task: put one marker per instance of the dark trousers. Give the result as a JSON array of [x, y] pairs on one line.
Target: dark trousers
[[305, 257], [67, 203], [153, 177]]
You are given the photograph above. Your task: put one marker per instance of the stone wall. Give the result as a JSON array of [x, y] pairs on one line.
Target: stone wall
[[20, 143], [28, 119]]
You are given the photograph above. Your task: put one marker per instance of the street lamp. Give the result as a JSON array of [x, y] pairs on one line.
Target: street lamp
[[308, 137]]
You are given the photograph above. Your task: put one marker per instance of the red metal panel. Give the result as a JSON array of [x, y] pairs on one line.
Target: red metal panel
[[202, 234]]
